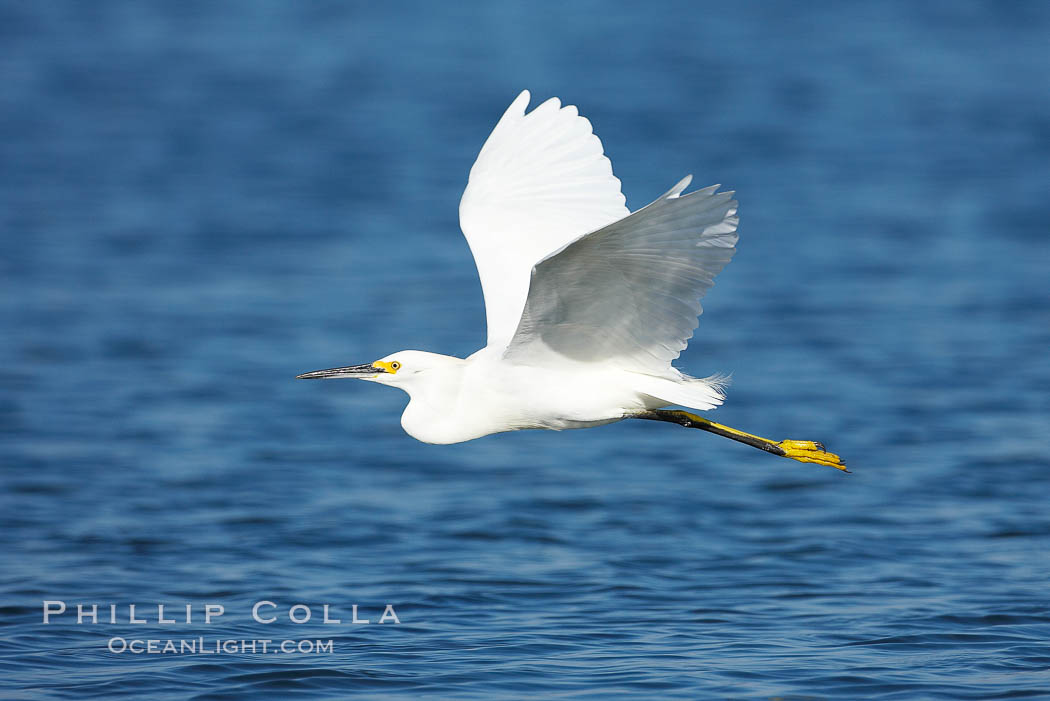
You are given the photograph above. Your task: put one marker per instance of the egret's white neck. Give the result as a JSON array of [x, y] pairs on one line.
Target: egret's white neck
[[435, 399]]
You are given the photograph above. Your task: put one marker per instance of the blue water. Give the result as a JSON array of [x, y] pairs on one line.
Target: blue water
[[200, 200]]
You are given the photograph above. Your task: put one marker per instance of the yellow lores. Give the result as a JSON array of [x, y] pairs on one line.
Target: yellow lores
[[587, 304]]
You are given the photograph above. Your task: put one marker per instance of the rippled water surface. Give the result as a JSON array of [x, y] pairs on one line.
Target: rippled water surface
[[200, 200]]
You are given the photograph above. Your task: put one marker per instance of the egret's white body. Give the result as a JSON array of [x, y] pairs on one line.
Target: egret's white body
[[454, 400]]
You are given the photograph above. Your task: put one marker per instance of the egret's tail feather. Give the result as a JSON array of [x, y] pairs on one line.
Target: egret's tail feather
[[693, 392]]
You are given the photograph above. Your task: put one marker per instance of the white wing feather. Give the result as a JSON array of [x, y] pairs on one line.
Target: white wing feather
[[540, 181], [629, 293]]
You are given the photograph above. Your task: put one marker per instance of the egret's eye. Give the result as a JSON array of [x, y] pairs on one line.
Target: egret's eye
[[395, 366]]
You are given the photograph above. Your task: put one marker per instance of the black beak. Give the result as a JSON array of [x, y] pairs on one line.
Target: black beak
[[350, 371]]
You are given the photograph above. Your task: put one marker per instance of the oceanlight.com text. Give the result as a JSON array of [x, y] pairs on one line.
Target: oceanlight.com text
[[219, 646]]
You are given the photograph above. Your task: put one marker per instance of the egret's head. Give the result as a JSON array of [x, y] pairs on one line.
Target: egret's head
[[401, 368]]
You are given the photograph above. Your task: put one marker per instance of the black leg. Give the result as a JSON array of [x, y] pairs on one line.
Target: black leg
[[803, 451]]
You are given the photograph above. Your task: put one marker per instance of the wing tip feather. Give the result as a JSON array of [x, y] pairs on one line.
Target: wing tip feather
[[681, 185], [522, 101]]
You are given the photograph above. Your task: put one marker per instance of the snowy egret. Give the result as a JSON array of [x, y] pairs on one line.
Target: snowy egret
[[587, 303]]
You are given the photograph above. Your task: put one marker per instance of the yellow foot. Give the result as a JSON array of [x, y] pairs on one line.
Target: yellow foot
[[811, 451]]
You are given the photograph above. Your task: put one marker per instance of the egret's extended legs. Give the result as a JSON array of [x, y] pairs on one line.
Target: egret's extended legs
[[803, 451]]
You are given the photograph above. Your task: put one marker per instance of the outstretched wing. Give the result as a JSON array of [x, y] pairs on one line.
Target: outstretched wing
[[540, 181], [630, 293]]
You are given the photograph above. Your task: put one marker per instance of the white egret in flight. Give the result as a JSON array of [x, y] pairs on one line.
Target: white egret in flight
[[587, 303]]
